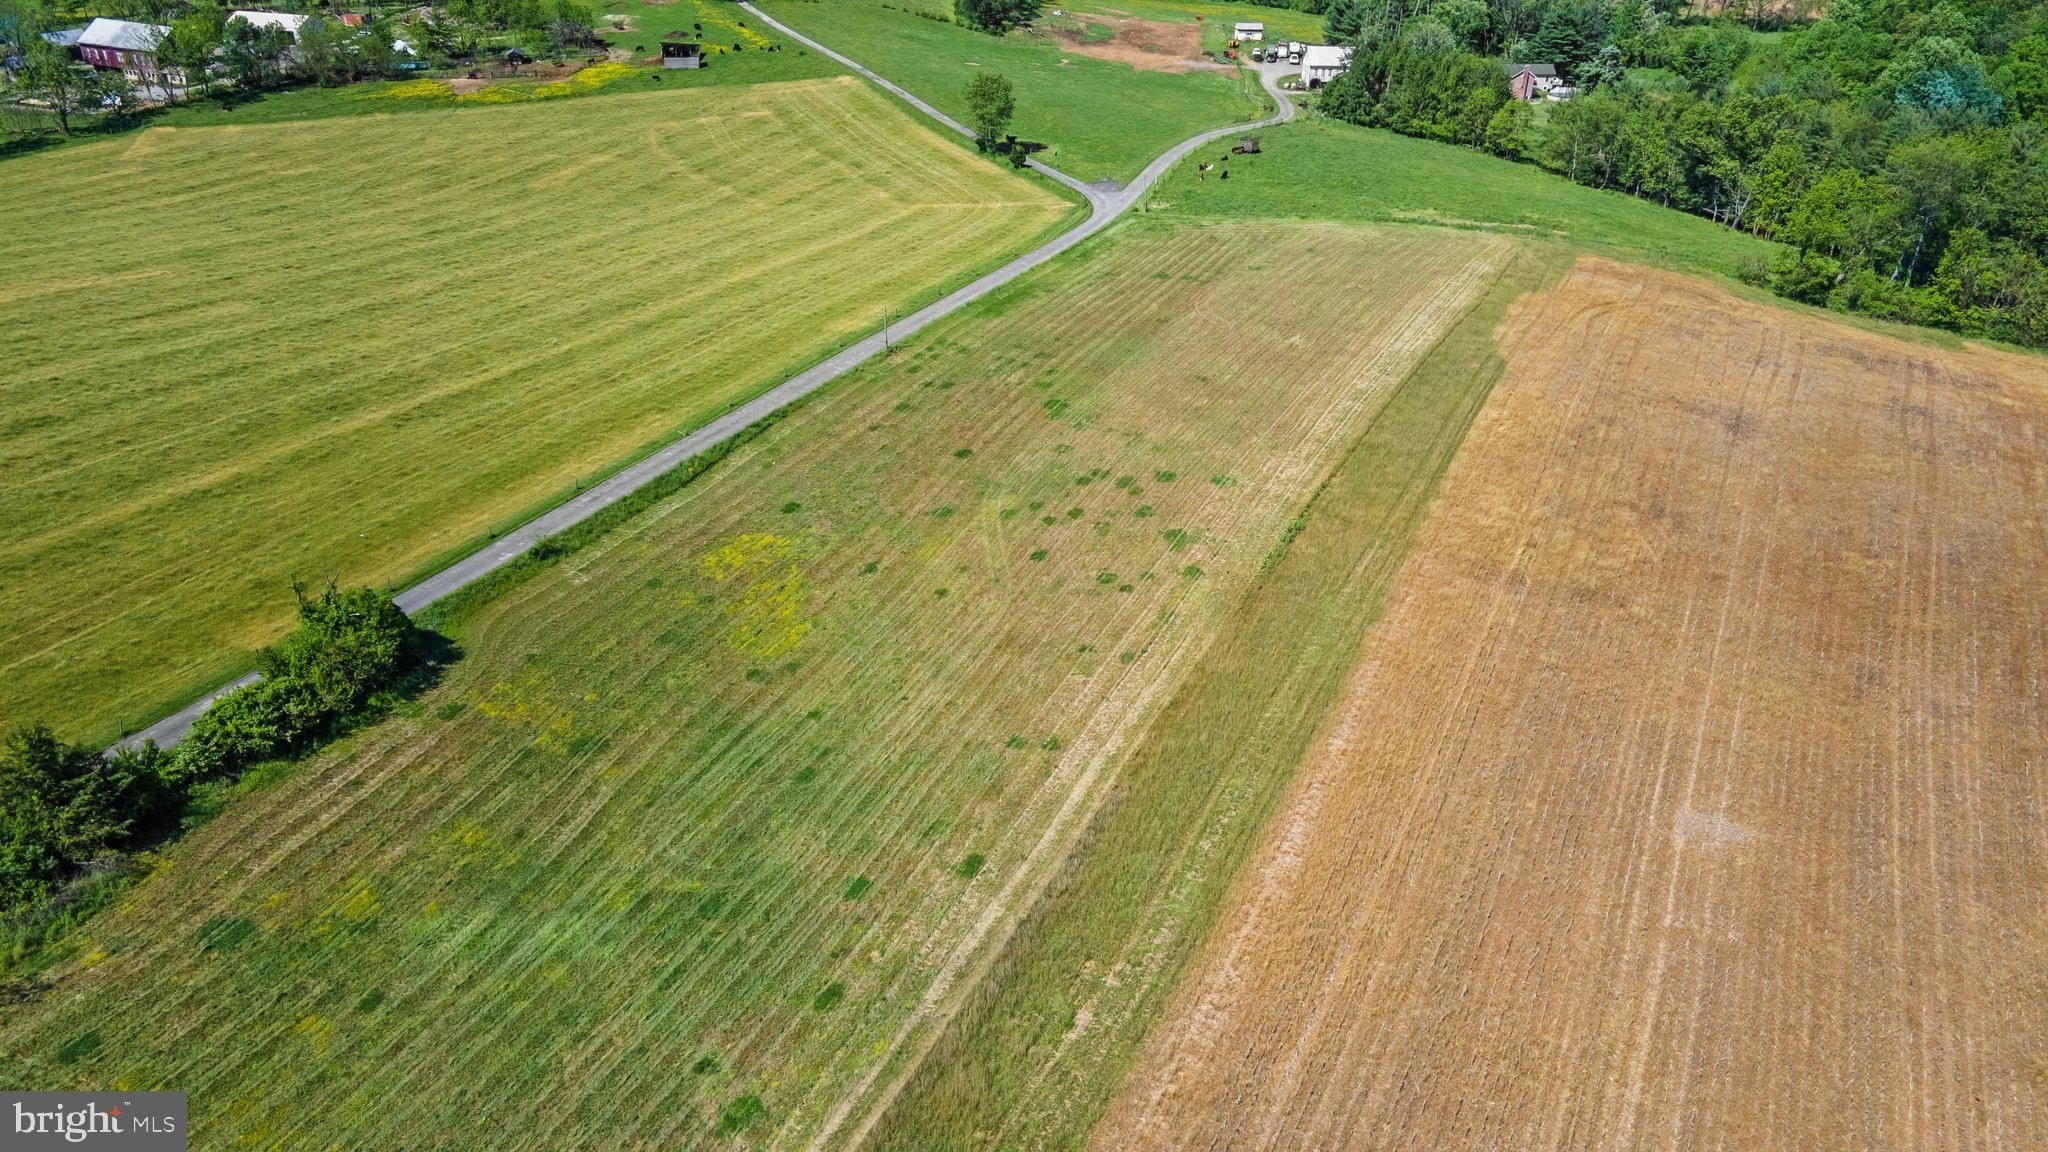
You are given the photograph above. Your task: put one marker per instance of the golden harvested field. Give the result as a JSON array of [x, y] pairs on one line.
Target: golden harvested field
[[350, 346], [718, 822], [1690, 793]]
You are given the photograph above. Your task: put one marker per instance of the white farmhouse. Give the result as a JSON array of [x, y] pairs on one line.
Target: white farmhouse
[[1323, 62], [1249, 31]]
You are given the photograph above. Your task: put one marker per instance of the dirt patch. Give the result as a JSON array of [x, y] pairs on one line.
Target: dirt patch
[[1145, 44], [523, 74], [1689, 793]]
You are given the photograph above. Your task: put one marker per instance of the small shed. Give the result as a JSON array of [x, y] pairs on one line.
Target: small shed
[[681, 54], [1249, 31]]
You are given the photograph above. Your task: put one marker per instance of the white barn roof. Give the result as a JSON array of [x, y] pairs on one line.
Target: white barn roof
[[1325, 56], [284, 20], [125, 35]]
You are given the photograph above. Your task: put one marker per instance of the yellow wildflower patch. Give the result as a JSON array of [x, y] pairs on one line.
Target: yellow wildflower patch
[[316, 1029], [409, 91], [714, 16], [423, 91], [532, 701], [767, 618], [357, 905]]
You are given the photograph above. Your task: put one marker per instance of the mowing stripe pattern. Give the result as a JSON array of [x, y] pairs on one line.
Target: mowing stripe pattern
[[352, 346], [717, 822]]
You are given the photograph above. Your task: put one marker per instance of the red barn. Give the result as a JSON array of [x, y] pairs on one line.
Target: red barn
[[123, 45]]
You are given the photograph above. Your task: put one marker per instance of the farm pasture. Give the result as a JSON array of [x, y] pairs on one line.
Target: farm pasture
[[1689, 791], [1215, 19], [352, 347], [717, 822], [1101, 119], [1318, 169]]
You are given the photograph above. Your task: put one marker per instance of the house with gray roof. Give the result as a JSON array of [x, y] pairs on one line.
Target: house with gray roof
[[1532, 82]]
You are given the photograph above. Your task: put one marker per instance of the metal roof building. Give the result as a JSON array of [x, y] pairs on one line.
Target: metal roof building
[[258, 19], [121, 35]]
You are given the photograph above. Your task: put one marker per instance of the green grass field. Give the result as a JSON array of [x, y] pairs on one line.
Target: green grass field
[[718, 822], [1216, 19], [353, 346], [1102, 119], [728, 35], [1325, 170]]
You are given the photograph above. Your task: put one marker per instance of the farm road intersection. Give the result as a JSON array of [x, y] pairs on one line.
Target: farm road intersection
[[1105, 204]]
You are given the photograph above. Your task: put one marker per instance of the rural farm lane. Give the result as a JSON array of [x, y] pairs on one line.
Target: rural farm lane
[[1105, 205]]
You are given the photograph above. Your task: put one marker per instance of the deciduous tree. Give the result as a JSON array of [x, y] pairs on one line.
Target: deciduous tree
[[996, 16], [990, 104], [64, 86]]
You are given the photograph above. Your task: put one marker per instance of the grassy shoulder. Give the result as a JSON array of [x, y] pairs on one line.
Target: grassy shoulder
[[1046, 1040], [1326, 170], [1100, 118]]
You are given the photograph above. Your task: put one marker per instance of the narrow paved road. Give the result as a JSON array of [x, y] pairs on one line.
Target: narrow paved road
[[1105, 204]]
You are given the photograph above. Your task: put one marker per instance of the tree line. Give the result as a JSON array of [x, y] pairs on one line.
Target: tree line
[[71, 816], [204, 47], [1898, 148]]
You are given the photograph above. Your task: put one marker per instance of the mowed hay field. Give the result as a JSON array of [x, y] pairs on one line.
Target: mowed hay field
[[1037, 1053], [1690, 792], [347, 347], [715, 824]]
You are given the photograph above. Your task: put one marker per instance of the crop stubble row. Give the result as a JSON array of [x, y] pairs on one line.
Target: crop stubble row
[[1690, 792]]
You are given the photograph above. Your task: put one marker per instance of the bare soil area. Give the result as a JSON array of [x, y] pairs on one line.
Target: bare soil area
[[1147, 44], [1691, 790]]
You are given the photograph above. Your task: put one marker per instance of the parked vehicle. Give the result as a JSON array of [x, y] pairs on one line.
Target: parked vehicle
[[1294, 50], [1258, 55]]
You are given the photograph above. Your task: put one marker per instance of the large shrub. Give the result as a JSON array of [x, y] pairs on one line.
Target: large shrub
[[63, 806], [348, 644], [997, 16], [68, 813]]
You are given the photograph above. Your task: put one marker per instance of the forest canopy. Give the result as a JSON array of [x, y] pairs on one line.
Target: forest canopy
[[1899, 148]]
